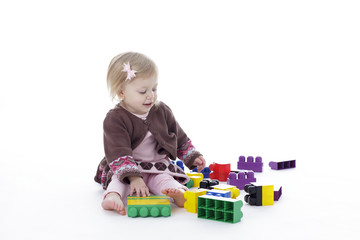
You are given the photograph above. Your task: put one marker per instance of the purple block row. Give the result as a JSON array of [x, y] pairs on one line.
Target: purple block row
[[249, 164], [282, 165], [240, 179]]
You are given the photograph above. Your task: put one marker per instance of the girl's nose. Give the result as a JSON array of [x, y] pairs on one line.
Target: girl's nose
[[151, 95]]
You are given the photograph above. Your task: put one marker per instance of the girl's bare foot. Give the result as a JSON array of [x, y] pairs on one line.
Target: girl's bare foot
[[112, 201], [176, 194]]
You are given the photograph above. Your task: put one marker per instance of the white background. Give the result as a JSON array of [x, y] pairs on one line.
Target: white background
[[269, 78]]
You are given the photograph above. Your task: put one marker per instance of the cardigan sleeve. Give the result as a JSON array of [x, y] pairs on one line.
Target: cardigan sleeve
[[186, 152], [117, 146]]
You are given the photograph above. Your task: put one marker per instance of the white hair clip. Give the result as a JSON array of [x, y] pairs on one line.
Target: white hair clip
[[130, 73]]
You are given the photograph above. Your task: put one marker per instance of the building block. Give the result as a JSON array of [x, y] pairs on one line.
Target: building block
[[235, 192], [249, 164], [219, 209], [268, 195], [277, 194], [282, 165], [219, 193], [261, 195], [206, 171], [153, 206], [241, 179], [196, 177], [190, 183], [208, 184], [179, 163], [191, 196], [219, 171]]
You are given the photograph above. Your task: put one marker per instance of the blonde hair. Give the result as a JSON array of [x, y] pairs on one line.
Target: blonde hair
[[116, 78]]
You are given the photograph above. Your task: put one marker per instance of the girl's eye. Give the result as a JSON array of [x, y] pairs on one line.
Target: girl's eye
[[142, 92], [154, 90]]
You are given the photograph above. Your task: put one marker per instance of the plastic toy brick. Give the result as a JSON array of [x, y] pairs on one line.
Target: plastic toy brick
[[153, 206], [235, 192], [241, 179], [219, 171], [249, 164], [219, 209], [219, 193], [268, 195], [196, 177], [206, 171], [277, 194], [208, 184], [191, 196], [259, 195], [179, 164], [282, 165], [190, 183]]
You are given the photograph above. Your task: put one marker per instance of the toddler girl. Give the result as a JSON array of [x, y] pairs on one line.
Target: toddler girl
[[140, 135]]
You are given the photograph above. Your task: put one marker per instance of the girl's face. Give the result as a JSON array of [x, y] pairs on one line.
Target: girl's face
[[139, 95]]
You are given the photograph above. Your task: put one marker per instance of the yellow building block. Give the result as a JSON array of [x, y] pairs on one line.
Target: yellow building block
[[268, 195], [235, 192], [152, 200], [191, 197], [196, 177]]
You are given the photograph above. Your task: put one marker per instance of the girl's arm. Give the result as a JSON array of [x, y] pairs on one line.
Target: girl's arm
[[186, 151], [118, 152]]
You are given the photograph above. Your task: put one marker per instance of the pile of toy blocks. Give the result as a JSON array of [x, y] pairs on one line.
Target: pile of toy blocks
[[212, 200]]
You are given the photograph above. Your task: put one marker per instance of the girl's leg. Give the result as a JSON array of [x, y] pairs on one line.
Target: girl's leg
[[166, 184], [114, 194]]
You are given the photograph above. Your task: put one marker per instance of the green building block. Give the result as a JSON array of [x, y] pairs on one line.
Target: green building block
[[219, 209], [153, 206], [190, 184]]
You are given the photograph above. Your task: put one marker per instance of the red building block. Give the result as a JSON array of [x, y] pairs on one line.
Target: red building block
[[219, 171]]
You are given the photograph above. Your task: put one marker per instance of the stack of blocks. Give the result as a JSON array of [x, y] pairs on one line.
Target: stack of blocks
[[249, 164], [219, 209], [153, 206]]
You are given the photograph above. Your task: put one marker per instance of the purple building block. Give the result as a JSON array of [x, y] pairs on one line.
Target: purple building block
[[249, 164], [282, 165], [277, 194], [241, 179]]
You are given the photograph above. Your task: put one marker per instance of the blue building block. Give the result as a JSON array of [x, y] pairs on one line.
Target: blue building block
[[219, 193], [206, 171], [179, 164]]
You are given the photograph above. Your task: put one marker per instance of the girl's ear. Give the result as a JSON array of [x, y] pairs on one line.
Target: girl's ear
[[121, 94]]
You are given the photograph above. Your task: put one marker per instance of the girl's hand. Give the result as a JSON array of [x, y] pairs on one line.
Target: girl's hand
[[138, 186], [200, 163]]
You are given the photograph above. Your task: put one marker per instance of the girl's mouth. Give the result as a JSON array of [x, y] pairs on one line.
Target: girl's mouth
[[147, 104]]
